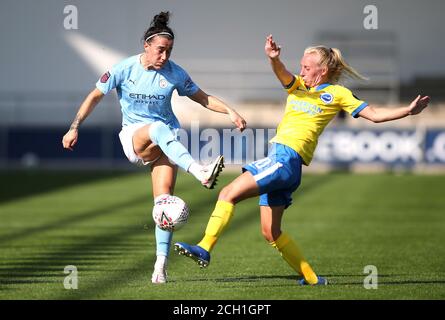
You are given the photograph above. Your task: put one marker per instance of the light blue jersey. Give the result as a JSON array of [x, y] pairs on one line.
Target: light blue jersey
[[145, 95]]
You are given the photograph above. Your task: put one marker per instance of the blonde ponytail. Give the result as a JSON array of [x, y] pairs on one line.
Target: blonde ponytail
[[337, 66]]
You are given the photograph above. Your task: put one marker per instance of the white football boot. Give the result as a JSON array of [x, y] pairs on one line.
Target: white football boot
[[211, 171], [159, 276], [160, 270]]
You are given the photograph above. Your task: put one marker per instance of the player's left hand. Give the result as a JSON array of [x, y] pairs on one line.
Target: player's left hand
[[239, 121], [70, 139], [418, 104]]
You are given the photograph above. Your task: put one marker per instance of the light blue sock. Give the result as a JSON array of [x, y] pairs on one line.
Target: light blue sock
[[161, 135], [163, 241]]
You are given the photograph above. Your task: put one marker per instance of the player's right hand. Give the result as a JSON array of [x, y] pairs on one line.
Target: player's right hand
[[70, 139], [271, 48]]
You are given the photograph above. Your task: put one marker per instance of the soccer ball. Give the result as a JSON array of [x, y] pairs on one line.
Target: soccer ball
[[170, 212]]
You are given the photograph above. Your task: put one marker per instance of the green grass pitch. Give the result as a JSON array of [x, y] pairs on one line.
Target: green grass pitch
[[101, 223]]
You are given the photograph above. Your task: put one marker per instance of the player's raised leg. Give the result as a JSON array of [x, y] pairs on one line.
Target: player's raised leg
[[158, 133], [241, 188], [163, 174], [286, 246]]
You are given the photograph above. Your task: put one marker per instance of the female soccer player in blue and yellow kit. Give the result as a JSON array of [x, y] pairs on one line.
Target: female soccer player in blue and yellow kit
[[314, 98], [145, 84]]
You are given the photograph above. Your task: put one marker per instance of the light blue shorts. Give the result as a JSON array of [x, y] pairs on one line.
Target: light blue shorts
[[277, 176]]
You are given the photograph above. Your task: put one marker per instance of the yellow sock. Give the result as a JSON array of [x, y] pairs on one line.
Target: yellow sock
[[219, 219], [293, 256]]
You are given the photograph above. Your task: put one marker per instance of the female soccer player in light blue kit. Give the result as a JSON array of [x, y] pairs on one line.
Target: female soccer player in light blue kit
[[145, 84]]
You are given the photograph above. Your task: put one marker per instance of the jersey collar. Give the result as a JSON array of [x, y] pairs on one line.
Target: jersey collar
[[322, 86], [317, 88]]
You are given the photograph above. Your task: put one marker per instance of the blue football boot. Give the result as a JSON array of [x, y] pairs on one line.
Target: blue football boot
[[321, 282], [201, 256]]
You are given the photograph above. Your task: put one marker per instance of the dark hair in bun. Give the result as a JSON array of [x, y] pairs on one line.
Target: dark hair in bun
[[159, 24]]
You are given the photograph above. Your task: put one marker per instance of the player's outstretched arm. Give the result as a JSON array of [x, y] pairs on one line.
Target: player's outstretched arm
[[87, 106], [388, 114], [273, 51], [213, 103]]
